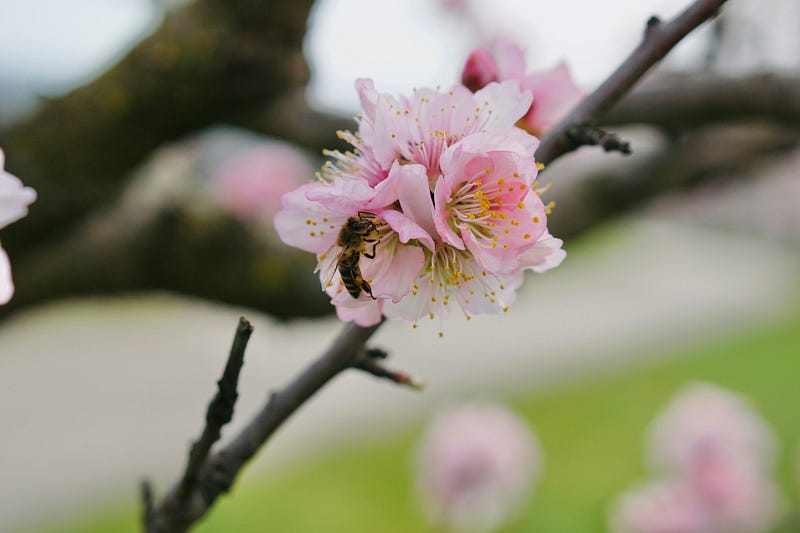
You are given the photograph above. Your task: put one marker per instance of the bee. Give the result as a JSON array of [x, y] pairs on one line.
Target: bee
[[354, 239]]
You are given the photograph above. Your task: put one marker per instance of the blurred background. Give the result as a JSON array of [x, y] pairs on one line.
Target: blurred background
[[159, 135]]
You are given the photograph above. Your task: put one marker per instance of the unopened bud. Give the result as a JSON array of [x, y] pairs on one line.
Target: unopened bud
[[479, 70]]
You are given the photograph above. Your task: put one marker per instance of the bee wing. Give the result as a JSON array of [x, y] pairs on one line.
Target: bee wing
[[328, 265]]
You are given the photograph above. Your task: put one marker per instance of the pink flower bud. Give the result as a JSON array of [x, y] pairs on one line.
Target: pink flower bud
[[480, 70]]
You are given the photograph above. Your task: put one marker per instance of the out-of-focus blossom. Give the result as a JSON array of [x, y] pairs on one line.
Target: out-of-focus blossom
[[251, 183], [476, 464], [14, 202], [449, 183], [705, 421], [664, 506], [718, 455], [554, 92]]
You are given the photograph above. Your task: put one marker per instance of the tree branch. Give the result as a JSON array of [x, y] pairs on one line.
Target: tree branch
[[659, 38], [221, 469], [677, 102]]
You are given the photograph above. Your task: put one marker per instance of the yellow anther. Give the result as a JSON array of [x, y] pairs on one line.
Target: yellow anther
[[520, 204], [535, 220], [526, 236], [488, 170], [539, 165]]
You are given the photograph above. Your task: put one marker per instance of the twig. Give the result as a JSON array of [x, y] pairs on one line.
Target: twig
[[221, 469], [586, 135], [659, 38], [220, 410], [369, 364]]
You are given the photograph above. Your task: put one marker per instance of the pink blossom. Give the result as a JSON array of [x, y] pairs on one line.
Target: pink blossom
[[703, 421], [450, 182], [718, 455], [14, 202], [476, 465], [250, 184], [554, 91], [664, 506]]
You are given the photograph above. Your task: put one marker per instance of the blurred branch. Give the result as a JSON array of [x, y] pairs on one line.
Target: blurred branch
[[221, 469], [659, 38], [680, 102], [209, 62], [585, 135], [722, 153]]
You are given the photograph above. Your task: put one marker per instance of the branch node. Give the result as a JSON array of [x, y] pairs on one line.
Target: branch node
[[653, 23], [586, 135]]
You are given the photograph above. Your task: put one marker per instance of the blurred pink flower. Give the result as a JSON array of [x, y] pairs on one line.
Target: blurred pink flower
[[664, 506], [14, 202], [477, 464], [554, 92], [448, 179], [250, 184], [705, 421], [719, 455]]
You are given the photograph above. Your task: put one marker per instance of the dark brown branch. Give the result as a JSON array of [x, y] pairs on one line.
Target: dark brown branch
[[211, 61], [371, 365], [220, 411], [586, 135], [659, 39], [221, 469], [678, 102]]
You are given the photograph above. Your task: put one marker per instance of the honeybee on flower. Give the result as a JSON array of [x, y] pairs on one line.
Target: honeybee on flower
[[449, 181]]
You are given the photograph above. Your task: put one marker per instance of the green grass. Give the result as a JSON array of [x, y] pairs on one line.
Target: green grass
[[591, 431]]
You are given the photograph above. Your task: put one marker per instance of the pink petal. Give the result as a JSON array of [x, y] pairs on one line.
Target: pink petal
[[6, 284], [554, 96], [305, 224], [393, 272], [442, 215], [501, 105], [406, 228], [14, 198], [543, 255], [345, 196], [363, 313], [510, 59]]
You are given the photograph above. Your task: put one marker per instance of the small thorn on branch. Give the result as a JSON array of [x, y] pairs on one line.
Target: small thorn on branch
[[370, 364], [585, 135]]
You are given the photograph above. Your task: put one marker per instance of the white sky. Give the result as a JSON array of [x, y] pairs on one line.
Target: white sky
[[51, 45]]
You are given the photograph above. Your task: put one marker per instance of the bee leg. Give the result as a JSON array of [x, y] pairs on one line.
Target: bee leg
[[366, 288], [371, 255]]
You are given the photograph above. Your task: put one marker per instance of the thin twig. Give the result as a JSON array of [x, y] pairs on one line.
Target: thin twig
[[369, 363], [659, 38], [220, 410], [221, 469]]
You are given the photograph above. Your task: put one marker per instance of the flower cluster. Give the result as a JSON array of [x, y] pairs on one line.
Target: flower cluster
[[442, 188], [14, 202], [476, 465], [717, 456], [554, 92]]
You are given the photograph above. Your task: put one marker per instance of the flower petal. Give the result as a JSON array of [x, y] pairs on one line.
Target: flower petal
[[305, 224], [6, 284], [543, 255]]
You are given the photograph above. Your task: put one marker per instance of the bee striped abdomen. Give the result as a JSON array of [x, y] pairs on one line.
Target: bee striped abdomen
[[351, 275]]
